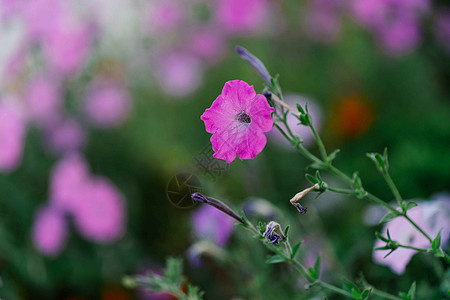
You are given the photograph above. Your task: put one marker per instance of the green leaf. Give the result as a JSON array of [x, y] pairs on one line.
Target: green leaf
[[286, 230], [412, 291], [295, 249], [333, 155], [317, 266], [380, 237], [312, 273], [300, 109], [385, 159], [356, 293], [366, 294], [174, 269], [312, 179], [404, 295], [410, 205], [276, 259], [436, 244], [389, 216], [348, 286]]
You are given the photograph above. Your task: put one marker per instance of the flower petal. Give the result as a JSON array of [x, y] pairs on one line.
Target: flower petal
[[220, 115], [239, 93], [260, 113], [252, 143]]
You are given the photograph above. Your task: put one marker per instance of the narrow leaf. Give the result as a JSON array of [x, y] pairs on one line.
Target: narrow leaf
[[295, 249], [410, 205], [437, 241], [275, 259], [388, 217], [317, 266]]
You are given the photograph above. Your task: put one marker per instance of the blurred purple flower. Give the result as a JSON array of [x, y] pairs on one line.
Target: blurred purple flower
[[41, 16], [50, 231], [322, 20], [395, 23], [212, 224], [43, 99], [12, 135], [431, 216], [400, 37], [67, 46], [242, 16], [107, 103], [207, 43], [302, 131], [100, 212], [65, 135], [163, 16], [179, 73], [442, 28], [67, 180]]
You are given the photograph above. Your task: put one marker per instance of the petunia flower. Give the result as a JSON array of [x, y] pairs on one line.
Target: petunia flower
[[238, 119], [50, 231]]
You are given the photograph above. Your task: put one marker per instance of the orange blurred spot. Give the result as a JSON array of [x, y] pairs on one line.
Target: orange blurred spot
[[353, 115], [115, 293]]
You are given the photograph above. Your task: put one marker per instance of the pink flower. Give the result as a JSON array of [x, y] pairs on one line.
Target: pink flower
[[50, 231], [212, 224], [67, 179], [209, 44], [65, 135], [43, 97], [242, 16], [238, 119], [431, 216], [100, 213], [12, 134], [179, 73], [163, 16], [107, 103], [323, 20], [67, 46]]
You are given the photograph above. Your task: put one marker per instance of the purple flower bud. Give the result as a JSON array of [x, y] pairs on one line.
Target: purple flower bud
[[273, 233], [255, 63], [300, 208], [217, 204]]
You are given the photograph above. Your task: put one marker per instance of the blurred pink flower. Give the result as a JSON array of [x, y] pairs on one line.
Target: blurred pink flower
[[442, 28], [65, 135], [41, 17], [207, 43], [179, 73], [399, 38], [211, 224], [67, 46], [50, 231], [107, 103], [163, 16], [242, 16], [67, 180], [431, 216], [395, 23], [238, 119], [323, 21], [100, 213], [43, 99], [12, 135], [300, 130]]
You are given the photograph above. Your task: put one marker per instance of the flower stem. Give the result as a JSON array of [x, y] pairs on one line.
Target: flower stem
[[384, 294], [342, 191], [417, 227], [323, 151], [393, 188]]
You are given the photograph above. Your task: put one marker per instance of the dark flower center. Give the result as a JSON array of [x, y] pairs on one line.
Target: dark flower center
[[243, 117]]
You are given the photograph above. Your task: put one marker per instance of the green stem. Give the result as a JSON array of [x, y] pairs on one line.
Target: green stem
[[378, 201], [418, 228], [340, 174], [342, 191], [415, 248], [393, 188], [384, 294], [323, 151], [335, 289]]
